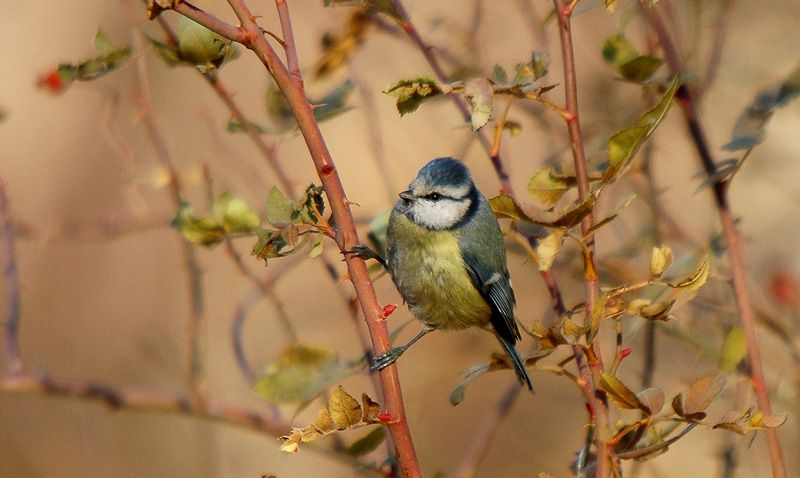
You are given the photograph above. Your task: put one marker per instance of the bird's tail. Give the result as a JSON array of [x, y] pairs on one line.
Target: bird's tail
[[517, 362]]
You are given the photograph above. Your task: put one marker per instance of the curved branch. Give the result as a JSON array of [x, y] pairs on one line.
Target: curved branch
[[688, 104]]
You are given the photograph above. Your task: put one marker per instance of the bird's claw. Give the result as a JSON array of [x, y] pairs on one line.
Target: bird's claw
[[387, 358], [365, 252]]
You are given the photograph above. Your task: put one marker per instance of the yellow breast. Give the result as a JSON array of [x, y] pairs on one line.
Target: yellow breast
[[430, 274]]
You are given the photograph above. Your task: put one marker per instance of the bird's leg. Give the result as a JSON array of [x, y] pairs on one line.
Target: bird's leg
[[364, 252], [387, 358]]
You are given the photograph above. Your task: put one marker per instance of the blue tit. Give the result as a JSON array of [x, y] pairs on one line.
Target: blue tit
[[445, 254]]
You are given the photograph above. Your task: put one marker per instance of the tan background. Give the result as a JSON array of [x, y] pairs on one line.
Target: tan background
[[114, 309]]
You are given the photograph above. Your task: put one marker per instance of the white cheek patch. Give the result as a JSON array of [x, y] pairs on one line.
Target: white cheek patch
[[442, 214]]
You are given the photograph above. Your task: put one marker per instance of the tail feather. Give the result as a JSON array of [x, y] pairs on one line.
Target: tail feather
[[517, 362]]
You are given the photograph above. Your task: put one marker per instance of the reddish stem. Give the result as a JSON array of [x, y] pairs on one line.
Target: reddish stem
[[346, 234], [592, 352], [688, 105]]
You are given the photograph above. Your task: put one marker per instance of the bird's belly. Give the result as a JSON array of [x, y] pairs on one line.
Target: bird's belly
[[435, 283]]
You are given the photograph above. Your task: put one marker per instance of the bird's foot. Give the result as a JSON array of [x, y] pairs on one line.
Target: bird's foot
[[387, 358], [366, 253]]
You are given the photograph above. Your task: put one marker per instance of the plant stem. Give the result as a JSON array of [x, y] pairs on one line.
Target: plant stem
[[605, 458], [13, 290], [685, 97], [346, 233], [433, 62], [191, 267]]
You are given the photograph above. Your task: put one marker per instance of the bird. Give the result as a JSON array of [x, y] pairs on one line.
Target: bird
[[446, 256]]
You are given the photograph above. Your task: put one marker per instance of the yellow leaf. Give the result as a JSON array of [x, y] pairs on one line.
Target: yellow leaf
[[344, 409], [697, 278], [548, 248], [660, 260]]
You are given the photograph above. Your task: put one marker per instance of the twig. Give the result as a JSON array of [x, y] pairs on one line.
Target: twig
[[605, 455], [717, 45], [629, 455], [436, 67], [139, 400], [482, 437], [193, 274], [292, 63], [688, 105], [13, 291], [347, 236]]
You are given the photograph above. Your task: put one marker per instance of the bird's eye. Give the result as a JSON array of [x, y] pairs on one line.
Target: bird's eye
[[434, 196]]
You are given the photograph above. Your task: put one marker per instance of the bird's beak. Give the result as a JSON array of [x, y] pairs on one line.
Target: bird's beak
[[408, 195]]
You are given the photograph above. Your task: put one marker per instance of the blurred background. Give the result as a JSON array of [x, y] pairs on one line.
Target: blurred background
[[104, 290]]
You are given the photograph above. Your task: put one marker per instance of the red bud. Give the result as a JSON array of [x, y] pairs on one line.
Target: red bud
[[52, 82], [624, 353], [388, 309]]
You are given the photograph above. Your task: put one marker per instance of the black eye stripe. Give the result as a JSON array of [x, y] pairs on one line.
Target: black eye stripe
[[437, 196]]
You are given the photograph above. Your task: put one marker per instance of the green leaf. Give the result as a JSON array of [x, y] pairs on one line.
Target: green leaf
[[411, 93], [234, 214], [623, 146], [528, 73], [368, 442], [499, 75], [279, 208], [103, 44], [478, 94], [168, 53], [547, 186], [202, 231], [749, 131], [299, 374], [200, 46], [734, 350], [640, 69], [618, 50]]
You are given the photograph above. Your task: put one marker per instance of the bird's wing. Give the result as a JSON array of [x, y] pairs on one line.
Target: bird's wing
[[495, 287]]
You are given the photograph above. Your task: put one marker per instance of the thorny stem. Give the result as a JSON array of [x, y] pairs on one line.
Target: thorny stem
[[347, 235], [685, 97], [193, 273], [13, 292], [564, 10]]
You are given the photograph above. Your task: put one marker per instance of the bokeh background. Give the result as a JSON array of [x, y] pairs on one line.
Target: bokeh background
[[104, 293]]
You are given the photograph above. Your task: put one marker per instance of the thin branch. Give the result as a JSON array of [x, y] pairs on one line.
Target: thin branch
[[292, 62], [639, 452], [436, 67], [688, 105], [217, 25], [347, 235], [717, 46], [482, 437], [605, 455], [191, 267], [13, 290], [145, 401]]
